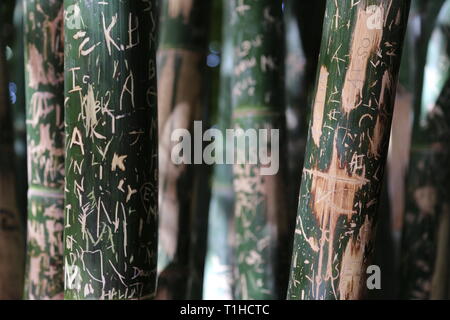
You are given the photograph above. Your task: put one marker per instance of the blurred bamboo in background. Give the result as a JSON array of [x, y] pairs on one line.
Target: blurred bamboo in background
[[425, 257], [181, 83], [257, 99], [218, 280]]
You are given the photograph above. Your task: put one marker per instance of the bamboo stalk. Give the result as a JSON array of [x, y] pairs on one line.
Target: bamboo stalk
[[425, 241], [302, 51], [111, 161], [44, 59], [181, 68], [218, 283], [257, 101], [347, 146], [11, 231]]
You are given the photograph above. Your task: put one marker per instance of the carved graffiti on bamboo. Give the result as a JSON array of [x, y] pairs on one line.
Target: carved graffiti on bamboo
[[105, 138], [333, 194], [337, 192], [366, 40]]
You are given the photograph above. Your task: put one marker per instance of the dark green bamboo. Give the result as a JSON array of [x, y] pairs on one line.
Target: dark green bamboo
[[218, 282], [426, 239], [111, 162], [347, 146], [257, 99], [11, 231], [44, 60], [181, 74]]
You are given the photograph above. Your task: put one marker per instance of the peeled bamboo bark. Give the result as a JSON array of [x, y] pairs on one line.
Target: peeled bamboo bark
[[11, 231], [111, 162], [347, 147], [181, 69], [257, 101], [426, 240], [44, 59]]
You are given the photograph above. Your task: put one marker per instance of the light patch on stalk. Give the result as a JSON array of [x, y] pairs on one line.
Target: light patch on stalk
[[334, 191], [54, 29], [54, 231], [34, 271], [352, 276], [319, 105], [380, 127], [36, 234], [39, 107], [248, 185], [37, 73], [46, 143], [185, 77], [426, 199], [367, 35], [399, 150]]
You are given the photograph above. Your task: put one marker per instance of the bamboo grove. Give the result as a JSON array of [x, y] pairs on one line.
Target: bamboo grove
[[224, 149]]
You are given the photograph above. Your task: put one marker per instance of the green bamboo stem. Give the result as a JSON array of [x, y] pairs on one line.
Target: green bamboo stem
[[44, 59], [302, 51], [11, 231], [347, 146], [110, 232], [181, 71], [425, 242], [218, 282], [257, 101]]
